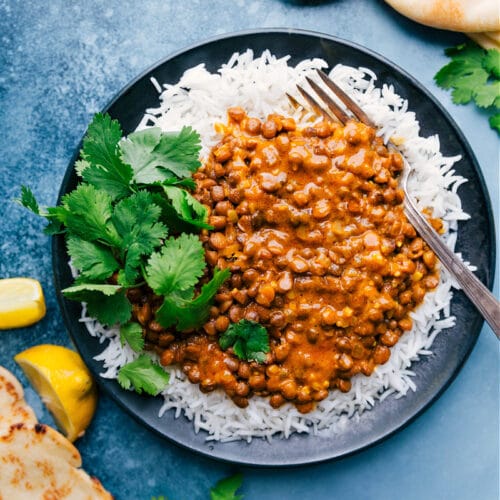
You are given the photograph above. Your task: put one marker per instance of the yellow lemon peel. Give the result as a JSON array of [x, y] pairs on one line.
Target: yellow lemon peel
[[64, 384], [21, 302]]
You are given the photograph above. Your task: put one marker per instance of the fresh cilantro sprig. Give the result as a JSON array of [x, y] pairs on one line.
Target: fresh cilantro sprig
[[474, 75], [159, 156], [119, 166], [130, 222], [107, 303], [143, 375], [186, 311], [131, 333], [101, 163], [136, 219], [173, 272], [28, 200], [187, 208], [95, 262], [178, 266], [226, 489], [250, 340]]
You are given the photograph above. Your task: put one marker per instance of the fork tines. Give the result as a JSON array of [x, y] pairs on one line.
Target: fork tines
[[315, 105], [333, 108], [342, 116]]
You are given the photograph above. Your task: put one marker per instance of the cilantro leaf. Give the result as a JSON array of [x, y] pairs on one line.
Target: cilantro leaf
[[178, 266], [488, 95], [491, 62], [86, 212], [190, 313], [467, 52], [55, 215], [107, 303], [52, 228], [105, 169], [75, 291], [187, 183], [461, 95], [113, 182], [109, 310], [28, 200], [81, 165], [136, 221], [465, 77], [94, 261], [472, 74], [101, 140], [495, 122], [179, 152], [448, 75], [143, 375], [188, 208], [136, 209], [156, 156], [226, 489], [250, 340], [130, 273], [137, 149], [170, 217], [132, 334], [52, 214]]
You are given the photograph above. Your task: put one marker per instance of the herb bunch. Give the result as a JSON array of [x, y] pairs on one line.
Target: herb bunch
[[474, 75], [131, 221]]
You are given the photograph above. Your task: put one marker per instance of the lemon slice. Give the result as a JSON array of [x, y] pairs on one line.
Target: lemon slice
[[21, 302], [64, 383]]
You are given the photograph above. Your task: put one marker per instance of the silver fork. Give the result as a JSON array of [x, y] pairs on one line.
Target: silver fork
[[479, 295]]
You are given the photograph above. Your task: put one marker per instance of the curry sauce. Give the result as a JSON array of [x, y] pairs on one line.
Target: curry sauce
[[310, 223]]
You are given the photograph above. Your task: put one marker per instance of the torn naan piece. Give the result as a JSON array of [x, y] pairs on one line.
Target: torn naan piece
[[466, 16], [13, 407], [487, 40], [38, 462]]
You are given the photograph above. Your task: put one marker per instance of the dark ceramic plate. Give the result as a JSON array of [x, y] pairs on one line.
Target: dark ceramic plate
[[475, 241]]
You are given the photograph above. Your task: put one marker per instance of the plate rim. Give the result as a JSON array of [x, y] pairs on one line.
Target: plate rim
[[108, 385]]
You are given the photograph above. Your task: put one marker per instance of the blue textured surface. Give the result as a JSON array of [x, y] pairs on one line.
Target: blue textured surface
[[61, 62]]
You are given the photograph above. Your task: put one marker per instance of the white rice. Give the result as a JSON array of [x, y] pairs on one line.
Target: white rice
[[200, 99]]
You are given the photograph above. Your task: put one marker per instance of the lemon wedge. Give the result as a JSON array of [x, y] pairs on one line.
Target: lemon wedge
[[21, 302], [64, 383]]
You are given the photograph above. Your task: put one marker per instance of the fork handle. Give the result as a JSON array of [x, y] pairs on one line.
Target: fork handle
[[479, 295]]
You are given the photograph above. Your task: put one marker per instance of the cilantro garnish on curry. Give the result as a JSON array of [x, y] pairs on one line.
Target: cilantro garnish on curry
[[131, 222]]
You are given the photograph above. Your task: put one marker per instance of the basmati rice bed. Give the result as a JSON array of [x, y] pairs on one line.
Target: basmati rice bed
[[258, 85]]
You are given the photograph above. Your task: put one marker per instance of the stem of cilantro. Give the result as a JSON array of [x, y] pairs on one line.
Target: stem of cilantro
[[135, 285]]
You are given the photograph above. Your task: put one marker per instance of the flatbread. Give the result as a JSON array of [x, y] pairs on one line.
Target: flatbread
[[13, 407], [487, 40], [36, 461], [467, 16]]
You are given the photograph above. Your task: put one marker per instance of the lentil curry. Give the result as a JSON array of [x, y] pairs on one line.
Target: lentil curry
[[310, 223]]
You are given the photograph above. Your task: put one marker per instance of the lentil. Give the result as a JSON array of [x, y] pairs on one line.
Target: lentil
[[311, 224]]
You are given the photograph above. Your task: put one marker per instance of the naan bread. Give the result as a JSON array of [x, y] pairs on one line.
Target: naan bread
[[487, 40], [13, 407], [36, 461], [467, 16]]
